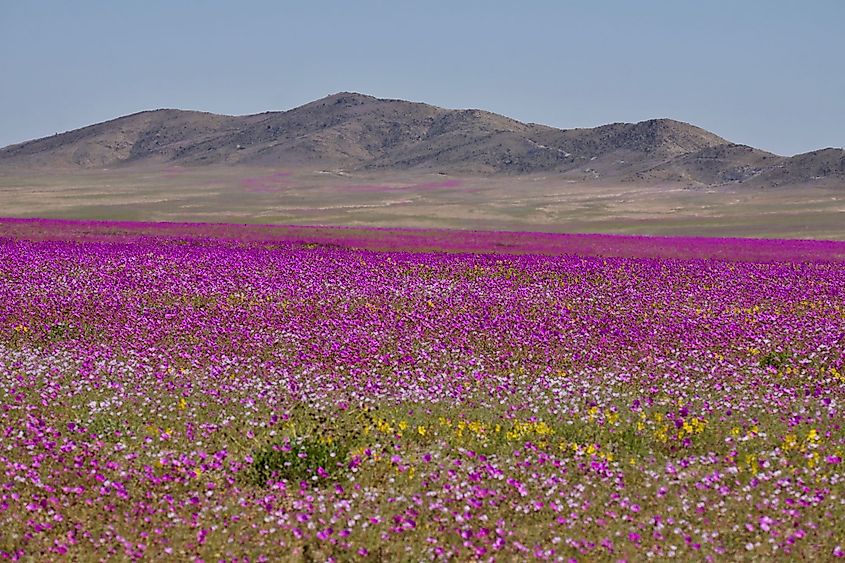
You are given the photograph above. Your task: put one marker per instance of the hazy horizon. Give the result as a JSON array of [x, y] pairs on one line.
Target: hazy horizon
[[759, 73]]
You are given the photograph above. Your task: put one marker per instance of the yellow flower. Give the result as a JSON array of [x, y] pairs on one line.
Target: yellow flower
[[790, 441], [542, 429], [751, 462], [421, 430]]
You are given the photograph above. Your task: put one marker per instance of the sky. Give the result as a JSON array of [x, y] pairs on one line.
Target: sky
[[768, 73]]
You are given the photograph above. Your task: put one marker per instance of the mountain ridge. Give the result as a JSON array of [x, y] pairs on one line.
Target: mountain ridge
[[357, 132]]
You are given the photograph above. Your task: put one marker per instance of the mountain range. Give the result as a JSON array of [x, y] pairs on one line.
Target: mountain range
[[349, 132]]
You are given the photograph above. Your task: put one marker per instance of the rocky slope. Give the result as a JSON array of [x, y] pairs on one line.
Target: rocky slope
[[352, 131]]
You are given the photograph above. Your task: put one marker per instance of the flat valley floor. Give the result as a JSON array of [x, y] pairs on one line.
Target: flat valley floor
[[423, 200]]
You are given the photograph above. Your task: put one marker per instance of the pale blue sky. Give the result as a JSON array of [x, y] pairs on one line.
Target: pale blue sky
[[770, 73]]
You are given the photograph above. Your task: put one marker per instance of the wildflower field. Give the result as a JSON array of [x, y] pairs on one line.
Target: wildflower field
[[211, 393]]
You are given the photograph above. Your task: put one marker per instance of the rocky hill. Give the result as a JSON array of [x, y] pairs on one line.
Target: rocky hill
[[350, 131]]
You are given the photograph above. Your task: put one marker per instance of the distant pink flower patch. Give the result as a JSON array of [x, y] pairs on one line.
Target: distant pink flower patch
[[266, 184], [421, 240], [453, 183], [438, 185]]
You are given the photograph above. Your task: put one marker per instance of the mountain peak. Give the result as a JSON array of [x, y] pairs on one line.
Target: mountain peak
[[672, 127], [349, 98]]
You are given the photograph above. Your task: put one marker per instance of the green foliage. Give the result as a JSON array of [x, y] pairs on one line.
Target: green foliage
[[774, 359], [62, 331], [107, 426], [303, 459]]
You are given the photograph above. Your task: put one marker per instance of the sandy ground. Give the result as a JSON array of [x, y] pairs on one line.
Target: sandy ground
[[535, 203]]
